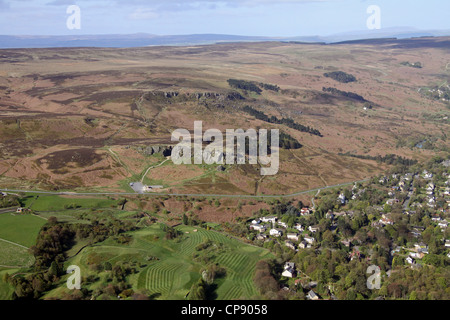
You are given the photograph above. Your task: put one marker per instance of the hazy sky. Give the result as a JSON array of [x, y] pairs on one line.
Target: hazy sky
[[239, 17]]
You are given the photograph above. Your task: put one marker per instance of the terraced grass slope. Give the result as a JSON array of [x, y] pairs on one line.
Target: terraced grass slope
[[166, 268]]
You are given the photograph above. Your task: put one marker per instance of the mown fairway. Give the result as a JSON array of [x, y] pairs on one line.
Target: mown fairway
[[168, 269]]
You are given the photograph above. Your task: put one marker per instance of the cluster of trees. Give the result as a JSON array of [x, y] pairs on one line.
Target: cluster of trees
[[270, 87], [252, 86], [244, 85], [284, 121], [53, 240], [390, 159], [9, 201], [413, 65], [340, 76], [346, 94], [265, 281], [49, 252]]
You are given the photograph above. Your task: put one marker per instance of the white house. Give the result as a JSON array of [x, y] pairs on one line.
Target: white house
[[299, 227], [272, 219], [410, 260], [303, 245], [258, 227], [443, 224], [313, 229], [312, 295], [309, 239], [289, 270], [292, 236], [305, 211], [342, 198], [276, 232], [289, 244], [282, 224]]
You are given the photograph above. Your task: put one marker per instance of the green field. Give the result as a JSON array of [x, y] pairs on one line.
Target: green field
[[21, 229], [58, 203], [14, 256], [172, 274]]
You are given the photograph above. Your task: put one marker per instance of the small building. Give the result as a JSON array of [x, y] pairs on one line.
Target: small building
[[276, 232], [256, 221], [312, 295], [289, 270], [309, 239], [282, 224], [290, 245], [258, 227], [271, 219], [305, 211], [292, 236], [303, 245]]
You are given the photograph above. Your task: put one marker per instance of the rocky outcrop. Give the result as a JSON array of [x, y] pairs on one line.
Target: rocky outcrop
[[150, 150]]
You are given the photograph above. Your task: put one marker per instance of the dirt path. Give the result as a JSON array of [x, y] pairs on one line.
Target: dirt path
[[158, 165], [13, 243]]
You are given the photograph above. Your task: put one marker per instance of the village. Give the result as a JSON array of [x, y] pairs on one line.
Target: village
[[416, 203]]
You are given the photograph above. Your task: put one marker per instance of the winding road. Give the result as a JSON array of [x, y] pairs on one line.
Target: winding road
[[293, 195]]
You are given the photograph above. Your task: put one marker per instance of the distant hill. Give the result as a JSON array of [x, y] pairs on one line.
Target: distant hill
[[144, 39]]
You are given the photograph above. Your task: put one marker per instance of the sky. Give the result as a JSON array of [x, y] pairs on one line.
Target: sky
[[285, 18]]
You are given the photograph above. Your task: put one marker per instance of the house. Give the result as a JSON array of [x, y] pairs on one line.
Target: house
[[427, 175], [272, 219], [20, 210], [342, 198], [385, 220], [416, 255], [289, 270], [282, 224], [305, 211], [443, 224], [313, 229], [303, 245], [420, 245], [346, 243], [390, 202], [312, 295], [292, 236], [410, 260], [256, 221], [299, 227], [290, 245], [447, 243], [276, 232], [258, 227], [309, 239], [261, 236]]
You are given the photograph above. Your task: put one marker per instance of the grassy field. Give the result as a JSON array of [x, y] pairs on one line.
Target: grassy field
[[58, 203], [166, 267], [21, 229], [14, 256]]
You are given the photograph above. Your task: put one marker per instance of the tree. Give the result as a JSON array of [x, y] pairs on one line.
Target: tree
[[198, 291]]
